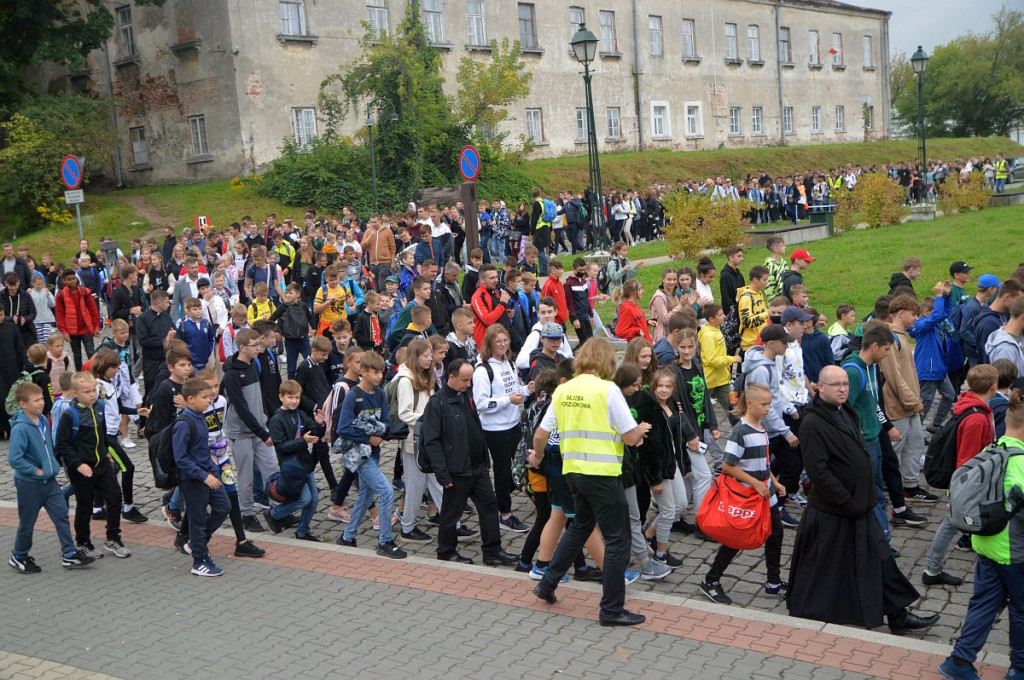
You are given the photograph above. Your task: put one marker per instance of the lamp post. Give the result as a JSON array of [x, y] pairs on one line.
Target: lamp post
[[920, 63], [584, 48], [369, 127]]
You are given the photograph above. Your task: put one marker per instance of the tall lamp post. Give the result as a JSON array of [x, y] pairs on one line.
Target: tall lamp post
[[369, 127], [584, 48], [920, 63]]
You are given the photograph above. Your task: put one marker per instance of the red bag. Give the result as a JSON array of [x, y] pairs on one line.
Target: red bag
[[734, 515]]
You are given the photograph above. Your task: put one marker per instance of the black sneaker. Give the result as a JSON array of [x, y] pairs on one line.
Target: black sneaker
[[919, 494], [346, 542], [683, 527], [964, 543], [940, 579], [907, 518], [714, 592], [275, 525], [778, 590], [308, 537], [669, 560], [512, 523], [102, 514], [181, 543], [524, 567], [462, 531], [24, 565], [134, 516], [248, 549], [76, 560], [289, 521], [251, 524], [434, 519], [592, 574], [417, 535], [391, 550]]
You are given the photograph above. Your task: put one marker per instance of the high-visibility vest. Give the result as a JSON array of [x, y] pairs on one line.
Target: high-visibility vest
[[1002, 169], [589, 444]]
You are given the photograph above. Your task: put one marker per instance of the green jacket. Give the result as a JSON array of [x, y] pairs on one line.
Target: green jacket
[[864, 395], [1007, 547]]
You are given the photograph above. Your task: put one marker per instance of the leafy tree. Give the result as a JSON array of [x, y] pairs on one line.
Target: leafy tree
[[486, 88], [701, 222]]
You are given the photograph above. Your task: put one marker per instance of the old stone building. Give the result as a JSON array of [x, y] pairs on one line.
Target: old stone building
[[210, 88]]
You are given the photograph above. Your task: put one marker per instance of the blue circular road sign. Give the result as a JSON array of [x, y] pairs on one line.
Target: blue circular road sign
[[71, 172], [469, 163]]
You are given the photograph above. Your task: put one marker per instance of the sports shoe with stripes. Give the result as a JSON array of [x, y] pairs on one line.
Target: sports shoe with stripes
[[206, 568]]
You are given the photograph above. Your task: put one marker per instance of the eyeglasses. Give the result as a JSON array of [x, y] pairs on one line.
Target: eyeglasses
[[836, 384]]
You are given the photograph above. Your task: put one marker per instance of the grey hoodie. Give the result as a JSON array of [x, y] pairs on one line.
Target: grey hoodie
[[758, 369], [1002, 345]]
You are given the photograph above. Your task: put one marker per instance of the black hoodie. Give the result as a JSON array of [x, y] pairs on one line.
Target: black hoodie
[[899, 279]]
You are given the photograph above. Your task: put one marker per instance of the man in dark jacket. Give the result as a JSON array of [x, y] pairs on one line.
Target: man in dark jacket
[[19, 308], [731, 279], [856, 581], [799, 261], [12, 264], [992, 318], [905, 278], [453, 440], [153, 327]]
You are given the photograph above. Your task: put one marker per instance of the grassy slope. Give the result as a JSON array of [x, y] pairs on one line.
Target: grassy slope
[[101, 216], [224, 205]]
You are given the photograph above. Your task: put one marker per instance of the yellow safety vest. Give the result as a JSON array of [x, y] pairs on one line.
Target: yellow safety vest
[[1002, 169], [589, 444]]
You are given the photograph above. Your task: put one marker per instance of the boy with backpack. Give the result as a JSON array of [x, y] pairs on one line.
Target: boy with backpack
[[295, 323], [312, 377], [295, 487], [931, 346], [998, 403]]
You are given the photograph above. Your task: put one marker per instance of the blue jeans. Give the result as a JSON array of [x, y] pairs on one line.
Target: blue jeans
[[292, 349], [372, 482], [306, 503], [33, 497], [542, 262], [497, 250], [1000, 186], [946, 398], [993, 584], [485, 246], [875, 450], [206, 509]]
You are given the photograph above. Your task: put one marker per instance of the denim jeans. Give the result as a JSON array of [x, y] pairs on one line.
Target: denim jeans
[[946, 398], [306, 503], [497, 250], [293, 347], [944, 535], [485, 246], [875, 451], [33, 497], [372, 482], [993, 584], [542, 262], [205, 511], [1000, 185]]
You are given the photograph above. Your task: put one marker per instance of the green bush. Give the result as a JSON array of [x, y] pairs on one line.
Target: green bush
[[957, 196], [699, 222]]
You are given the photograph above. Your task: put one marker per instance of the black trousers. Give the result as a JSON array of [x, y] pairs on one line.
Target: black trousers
[[205, 510], [322, 455], [102, 484], [542, 504], [77, 341], [772, 554], [154, 371], [502, 445], [891, 474], [476, 487], [584, 332], [127, 468], [600, 501], [787, 462]]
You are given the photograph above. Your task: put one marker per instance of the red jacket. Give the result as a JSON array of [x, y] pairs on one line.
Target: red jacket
[[976, 431], [553, 288], [632, 323], [487, 311], [76, 312]]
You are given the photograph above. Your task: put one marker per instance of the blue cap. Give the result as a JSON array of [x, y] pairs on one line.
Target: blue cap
[[988, 281]]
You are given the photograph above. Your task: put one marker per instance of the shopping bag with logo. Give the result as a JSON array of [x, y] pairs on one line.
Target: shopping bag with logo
[[734, 515]]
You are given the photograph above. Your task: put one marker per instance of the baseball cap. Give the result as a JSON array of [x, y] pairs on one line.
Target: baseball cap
[[794, 313], [391, 279], [551, 330], [988, 281], [959, 267], [801, 254], [776, 332]]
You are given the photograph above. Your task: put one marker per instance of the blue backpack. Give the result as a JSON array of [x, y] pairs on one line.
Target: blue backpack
[[550, 210]]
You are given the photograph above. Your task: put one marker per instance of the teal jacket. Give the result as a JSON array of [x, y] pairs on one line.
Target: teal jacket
[[32, 450], [864, 390]]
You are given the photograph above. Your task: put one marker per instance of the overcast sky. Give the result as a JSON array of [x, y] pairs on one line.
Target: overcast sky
[[934, 22]]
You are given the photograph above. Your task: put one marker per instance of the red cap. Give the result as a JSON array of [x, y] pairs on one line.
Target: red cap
[[801, 254]]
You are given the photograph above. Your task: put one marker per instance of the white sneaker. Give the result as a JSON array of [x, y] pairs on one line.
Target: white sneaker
[[128, 443], [118, 548]]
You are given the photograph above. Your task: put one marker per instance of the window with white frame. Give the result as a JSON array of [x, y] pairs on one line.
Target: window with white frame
[[608, 42], [840, 119], [812, 48], [754, 42], [433, 21], [869, 117], [293, 17], [735, 128], [694, 120], [377, 15], [756, 120], [787, 119], [581, 124], [614, 122], [197, 126], [576, 19], [124, 21], [785, 47], [661, 125], [535, 125], [837, 49], [140, 151], [689, 40], [654, 35], [732, 49], [869, 54], [303, 125], [527, 26], [475, 22], [815, 119]]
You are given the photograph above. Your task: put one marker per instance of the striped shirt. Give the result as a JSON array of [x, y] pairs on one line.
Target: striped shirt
[[747, 449]]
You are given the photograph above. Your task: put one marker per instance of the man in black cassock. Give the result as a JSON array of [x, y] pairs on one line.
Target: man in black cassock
[[842, 571]]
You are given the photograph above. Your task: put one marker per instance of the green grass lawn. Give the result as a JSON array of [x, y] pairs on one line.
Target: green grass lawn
[[222, 203], [101, 216]]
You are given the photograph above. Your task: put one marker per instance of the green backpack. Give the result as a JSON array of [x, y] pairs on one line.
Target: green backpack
[[11, 404]]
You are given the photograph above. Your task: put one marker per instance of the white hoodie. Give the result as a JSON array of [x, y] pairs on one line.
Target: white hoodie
[[410, 403], [497, 412], [532, 342]]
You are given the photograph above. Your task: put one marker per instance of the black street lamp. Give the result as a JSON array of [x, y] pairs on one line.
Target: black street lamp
[[584, 48], [920, 63], [369, 126]]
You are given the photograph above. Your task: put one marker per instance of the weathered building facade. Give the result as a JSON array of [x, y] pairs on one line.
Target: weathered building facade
[[210, 88]]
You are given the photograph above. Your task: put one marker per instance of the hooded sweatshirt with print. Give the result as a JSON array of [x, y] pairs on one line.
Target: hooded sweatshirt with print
[[758, 369]]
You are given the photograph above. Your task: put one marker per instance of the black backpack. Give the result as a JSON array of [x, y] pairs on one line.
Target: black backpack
[[940, 459], [161, 455]]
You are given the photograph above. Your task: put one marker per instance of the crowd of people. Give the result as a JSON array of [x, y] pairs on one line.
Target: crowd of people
[[251, 356]]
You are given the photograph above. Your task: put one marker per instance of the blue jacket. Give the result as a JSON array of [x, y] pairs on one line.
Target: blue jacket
[[817, 351], [930, 348], [200, 339], [32, 449], [192, 453], [434, 251], [666, 353], [987, 323], [374, 402]]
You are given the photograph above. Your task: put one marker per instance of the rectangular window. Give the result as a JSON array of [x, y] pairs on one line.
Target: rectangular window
[[124, 20], [732, 49], [654, 35], [475, 20], [787, 119], [734, 121], [840, 119], [140, 152], [197, 126], [660, 123], [614, 124], [535, 125], [815, 119], [785, 53], [581, 124], [837, 49], [433, 21], [377, 15], [869, 57], [694, 120], [527, 26], [812, 44], [304, 125], [293, 17], [754, 42], [755, 120], [689, 41], [608, 42], [869, 117], [576, 18]]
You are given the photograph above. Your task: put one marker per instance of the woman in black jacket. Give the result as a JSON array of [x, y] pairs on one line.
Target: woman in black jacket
[[19, 308], [699, 423]]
